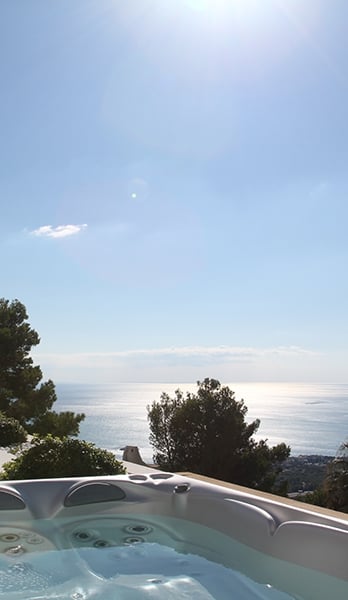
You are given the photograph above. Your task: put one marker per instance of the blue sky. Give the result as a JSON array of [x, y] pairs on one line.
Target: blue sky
[[174, 187]]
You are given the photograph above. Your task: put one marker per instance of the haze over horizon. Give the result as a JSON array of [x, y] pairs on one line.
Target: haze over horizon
[[174, 187]]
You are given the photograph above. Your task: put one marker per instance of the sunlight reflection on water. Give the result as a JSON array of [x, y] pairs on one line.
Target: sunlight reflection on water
[[311, 418]]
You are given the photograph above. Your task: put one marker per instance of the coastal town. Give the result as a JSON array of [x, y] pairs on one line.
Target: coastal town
[[304, 473]]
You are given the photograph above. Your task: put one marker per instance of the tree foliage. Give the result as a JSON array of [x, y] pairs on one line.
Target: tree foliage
[[22, 394], [318, 497], [58, 424], [336, 482], [54, 457], [206, 433], [11, 431]]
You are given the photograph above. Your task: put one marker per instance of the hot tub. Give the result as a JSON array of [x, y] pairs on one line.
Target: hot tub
[[164, 536]]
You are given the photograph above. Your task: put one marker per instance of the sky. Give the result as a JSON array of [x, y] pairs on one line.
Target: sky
[[173, 187]]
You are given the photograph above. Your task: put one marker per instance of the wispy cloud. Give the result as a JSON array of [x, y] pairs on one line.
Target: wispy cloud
[[195, 353], [185, 363], [221, 352], [58, 232]]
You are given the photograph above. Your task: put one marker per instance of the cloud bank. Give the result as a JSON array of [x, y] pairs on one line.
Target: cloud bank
[[58, 232], [186, 363], [228, 353]]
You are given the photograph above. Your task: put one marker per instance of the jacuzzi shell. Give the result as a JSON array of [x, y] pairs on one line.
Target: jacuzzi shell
[[285, 531]]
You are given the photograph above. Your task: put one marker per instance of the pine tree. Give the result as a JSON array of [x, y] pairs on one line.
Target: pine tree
[[22, 394], [207, 433]]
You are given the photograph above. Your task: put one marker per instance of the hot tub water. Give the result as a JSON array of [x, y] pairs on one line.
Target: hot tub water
[[131, 557]]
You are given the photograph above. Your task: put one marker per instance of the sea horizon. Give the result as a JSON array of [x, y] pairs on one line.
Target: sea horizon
[[310, 418]]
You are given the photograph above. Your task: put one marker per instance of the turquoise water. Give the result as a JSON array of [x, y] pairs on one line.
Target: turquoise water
[[132, 574], [311, 418], [131, 557]]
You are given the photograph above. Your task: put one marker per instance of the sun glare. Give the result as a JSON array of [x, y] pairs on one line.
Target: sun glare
[[216, 5], [247, 13], [199, 4], [209, 5]]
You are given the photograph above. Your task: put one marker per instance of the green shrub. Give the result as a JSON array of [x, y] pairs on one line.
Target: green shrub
[[53, 457]]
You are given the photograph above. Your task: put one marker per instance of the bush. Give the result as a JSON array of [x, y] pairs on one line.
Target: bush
[[53, 457]]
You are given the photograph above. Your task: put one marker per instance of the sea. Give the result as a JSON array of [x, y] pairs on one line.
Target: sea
[[310, 418]]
